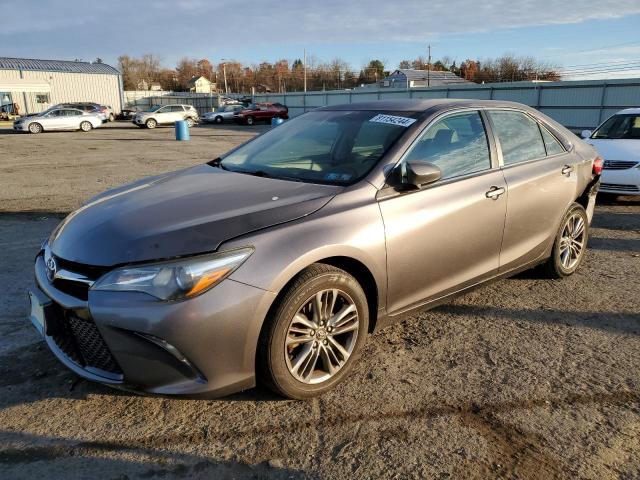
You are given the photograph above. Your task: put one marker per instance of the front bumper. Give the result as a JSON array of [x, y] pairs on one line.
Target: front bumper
[[621, 182], [201, 346], [22, 127]]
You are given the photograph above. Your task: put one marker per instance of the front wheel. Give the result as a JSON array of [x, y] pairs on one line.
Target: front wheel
[[219, 119], [86, 126], [570, 243], [250, 121], [313, 337], [151, 123], [35, 128]]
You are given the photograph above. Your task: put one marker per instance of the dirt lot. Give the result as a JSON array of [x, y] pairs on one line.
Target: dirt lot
[[525, 378]]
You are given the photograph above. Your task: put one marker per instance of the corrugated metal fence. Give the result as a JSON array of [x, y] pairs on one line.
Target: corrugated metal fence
[[577, 105], [144, 99]]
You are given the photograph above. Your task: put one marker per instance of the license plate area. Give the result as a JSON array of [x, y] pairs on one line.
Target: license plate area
[[41, 309]]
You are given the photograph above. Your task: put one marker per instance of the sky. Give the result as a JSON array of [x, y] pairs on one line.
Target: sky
[[587, 38]]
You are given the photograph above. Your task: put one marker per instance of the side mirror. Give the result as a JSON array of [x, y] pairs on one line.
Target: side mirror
[[586, 133], [419, 173]]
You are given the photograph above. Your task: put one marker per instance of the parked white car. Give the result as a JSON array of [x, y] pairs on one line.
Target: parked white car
[[58, 119], [166, 115], [222, 114], [617, 140]]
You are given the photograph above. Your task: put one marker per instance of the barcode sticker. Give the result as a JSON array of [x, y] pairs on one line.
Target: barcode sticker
[[393, 120]]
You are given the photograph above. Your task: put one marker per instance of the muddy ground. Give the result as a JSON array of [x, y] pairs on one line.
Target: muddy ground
[[525, 378]]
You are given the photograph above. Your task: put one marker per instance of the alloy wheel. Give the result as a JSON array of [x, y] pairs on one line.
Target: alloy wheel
[[572, 241], [321, 336]]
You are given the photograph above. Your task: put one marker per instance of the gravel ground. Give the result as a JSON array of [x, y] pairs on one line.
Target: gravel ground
[[524, 378]]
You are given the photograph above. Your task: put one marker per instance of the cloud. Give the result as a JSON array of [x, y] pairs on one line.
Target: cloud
[[80, 28]]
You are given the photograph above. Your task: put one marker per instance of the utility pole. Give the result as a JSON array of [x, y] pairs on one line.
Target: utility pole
[[304, 67], [429, 67], [224, 73]]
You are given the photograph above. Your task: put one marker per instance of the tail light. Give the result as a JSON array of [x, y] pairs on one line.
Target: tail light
[[598, 165], [103, 109]]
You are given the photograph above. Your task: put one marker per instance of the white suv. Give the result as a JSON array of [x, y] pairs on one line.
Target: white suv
[[166, 115]]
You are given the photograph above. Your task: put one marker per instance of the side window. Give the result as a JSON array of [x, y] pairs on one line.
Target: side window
[[457, 144], [551, 143], [519, 136], [163, 110], [176, 108]]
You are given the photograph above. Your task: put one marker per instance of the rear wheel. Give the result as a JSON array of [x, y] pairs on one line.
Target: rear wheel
[[35, 128], [570, 243], [112, 118], [85, 126], [190, 122], [313, 338], [151, 123], [219, 119]]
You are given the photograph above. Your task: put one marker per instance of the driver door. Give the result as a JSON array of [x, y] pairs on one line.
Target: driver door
[[446, 235]]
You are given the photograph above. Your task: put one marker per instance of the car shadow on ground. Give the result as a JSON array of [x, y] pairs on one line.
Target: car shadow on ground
[[23, 454]]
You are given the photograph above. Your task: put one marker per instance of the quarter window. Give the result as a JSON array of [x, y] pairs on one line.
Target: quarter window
[[519, 136], [457, 144], [551, 143]]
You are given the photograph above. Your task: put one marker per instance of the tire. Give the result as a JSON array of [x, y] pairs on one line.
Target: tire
[[219, 119], [250, 121], [151, 123], [35, 128], [285, 368], [112, 118], [570, 243], [190, 122], [86, 126]]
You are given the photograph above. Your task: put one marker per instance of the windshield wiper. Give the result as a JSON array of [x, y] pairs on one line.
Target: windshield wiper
[[217, 163]]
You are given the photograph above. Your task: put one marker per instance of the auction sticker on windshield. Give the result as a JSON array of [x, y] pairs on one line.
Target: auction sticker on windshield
[[393, 120]]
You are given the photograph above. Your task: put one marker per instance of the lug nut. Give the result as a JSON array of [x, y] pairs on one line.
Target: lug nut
[[315, 344], [325, 342], [313, 332]]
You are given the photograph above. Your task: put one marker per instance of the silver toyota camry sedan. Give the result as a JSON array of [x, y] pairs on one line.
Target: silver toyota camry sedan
[[274, 262], [58, 118]]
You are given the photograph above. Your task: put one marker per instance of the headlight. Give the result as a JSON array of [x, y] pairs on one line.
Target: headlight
[[175, 280]]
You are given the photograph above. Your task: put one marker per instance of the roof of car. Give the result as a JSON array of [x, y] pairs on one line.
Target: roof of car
[[420, 105], [629, 111]]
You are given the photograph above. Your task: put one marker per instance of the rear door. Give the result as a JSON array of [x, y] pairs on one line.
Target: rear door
[[541, 181], [446, 235]]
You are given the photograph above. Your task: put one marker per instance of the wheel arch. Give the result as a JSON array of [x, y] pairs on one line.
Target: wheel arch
[[352, 266]]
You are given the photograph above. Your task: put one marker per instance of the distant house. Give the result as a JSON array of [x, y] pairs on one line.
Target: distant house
[[411, 78], [201, 85]]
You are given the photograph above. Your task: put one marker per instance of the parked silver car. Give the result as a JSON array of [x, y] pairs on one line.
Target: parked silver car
[[275, 261], [166, 115], [58, 119], [222, 114]]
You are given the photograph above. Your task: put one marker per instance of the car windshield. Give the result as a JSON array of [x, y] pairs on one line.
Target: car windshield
[[624, 126], [329, 147]]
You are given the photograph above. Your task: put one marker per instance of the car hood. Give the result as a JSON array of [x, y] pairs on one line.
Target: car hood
[[621, 149], [184, 213]]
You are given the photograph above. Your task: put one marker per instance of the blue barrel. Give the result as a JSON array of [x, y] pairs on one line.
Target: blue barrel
[[182, 130], [275, 121]]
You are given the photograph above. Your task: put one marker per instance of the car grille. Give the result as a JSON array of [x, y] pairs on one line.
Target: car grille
[[81, 341], [74, 288], [619, 164], [618, 187]]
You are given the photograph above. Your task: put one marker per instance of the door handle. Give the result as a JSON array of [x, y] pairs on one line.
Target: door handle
[[567, 169], [494, 192]]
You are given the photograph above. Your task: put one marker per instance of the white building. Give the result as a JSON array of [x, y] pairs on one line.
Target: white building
[[35, 85], [201, 85]]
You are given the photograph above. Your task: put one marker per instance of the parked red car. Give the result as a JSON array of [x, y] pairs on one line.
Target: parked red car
[[261, 112]]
